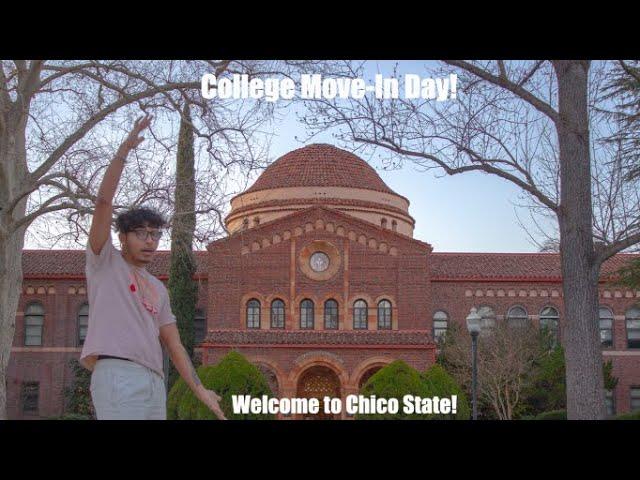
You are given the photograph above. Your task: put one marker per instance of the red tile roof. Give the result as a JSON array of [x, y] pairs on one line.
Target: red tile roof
[[320, 164], [444, 266], [512, 266], [367, 338], [71, 263]]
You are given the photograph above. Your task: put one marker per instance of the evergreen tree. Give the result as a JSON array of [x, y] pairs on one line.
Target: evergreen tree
[[78, 395], [546, 388], [182, 288]]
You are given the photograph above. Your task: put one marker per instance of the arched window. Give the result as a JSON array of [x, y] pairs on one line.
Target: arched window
[[488, 317], [277, 313], [440, 324], [199, 327], [517, 317], [33, 323], [384, 315], [306, 314], [331, 314], [253, 313], [360, 315], [549, 320], [83, 323], [606, 327], [633, 327]]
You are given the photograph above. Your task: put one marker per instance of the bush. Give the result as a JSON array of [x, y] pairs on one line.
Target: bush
[[78, 395], [440, 384], [552, 415], [71, 416], [395, 381], [233, 375], [174, 396], [635, 415]]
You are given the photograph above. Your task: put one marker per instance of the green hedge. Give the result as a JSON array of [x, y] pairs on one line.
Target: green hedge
[[562, 415], [635, 415], [233, 375], [552, 415], [399, 379], [440, 384], [394, 381], [72, 416]]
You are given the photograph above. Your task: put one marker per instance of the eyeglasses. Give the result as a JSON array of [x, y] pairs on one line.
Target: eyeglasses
[[143, 234]]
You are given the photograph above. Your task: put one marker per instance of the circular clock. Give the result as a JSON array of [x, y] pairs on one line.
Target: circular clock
[[319, 261]]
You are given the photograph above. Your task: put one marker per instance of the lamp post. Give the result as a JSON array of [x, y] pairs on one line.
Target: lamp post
[[473, 325]]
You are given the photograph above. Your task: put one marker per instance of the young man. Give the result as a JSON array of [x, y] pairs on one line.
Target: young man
[[129, 310]]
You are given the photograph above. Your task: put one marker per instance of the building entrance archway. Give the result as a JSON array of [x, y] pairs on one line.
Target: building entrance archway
[[318, 382]]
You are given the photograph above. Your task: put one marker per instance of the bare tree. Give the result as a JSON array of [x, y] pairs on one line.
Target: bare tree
[[506, 357], [529, 123], [60, 122]]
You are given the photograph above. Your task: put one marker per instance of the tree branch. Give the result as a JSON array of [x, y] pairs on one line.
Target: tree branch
[[95, 119], [390, 145], [616, 247], [507, 84]]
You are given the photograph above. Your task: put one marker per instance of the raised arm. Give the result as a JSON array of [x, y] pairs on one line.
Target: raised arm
[[101, 222]]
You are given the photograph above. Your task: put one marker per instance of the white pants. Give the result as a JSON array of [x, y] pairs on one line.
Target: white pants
[[124, 390]]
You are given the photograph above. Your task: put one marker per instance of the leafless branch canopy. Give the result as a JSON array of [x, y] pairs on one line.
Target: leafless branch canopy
[[72, 115], [502, 122]]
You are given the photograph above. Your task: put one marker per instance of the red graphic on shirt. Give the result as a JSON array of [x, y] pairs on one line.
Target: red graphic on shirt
[[149, 295]]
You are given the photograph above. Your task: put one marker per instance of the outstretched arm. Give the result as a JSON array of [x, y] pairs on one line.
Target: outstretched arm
[[101, 222], [180, 357]]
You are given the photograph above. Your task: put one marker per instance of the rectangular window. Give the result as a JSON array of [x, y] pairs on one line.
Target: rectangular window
[[635, 398], [277, 315], [606, 332], [199, 330], [633, 333], [439, 329], [609, 402], [33, 336], [331, 318], [306, 318], [30, 396]]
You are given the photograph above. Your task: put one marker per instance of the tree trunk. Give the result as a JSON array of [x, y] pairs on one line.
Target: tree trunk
[[580, 270], [13, 169], [10, 288]]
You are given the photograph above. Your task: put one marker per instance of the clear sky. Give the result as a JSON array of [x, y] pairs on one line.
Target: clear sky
[[472, 212]]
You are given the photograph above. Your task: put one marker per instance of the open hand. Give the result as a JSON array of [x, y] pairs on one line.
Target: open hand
[[211, 399], [134, 139]]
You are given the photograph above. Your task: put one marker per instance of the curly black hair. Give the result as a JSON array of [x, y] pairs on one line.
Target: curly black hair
[[139, 217]]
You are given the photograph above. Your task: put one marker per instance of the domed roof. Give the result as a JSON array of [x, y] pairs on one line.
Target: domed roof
[[320, 164]]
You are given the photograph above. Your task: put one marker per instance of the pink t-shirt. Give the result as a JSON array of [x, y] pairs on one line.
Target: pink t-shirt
[[127, 307]]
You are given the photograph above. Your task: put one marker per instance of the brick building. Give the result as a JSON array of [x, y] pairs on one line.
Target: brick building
[[320, 283]]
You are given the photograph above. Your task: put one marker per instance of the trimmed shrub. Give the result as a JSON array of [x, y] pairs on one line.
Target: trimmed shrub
[[440, 384], [175, 394], [552, 415], [71, 416], [394, 381], [233, 375]]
